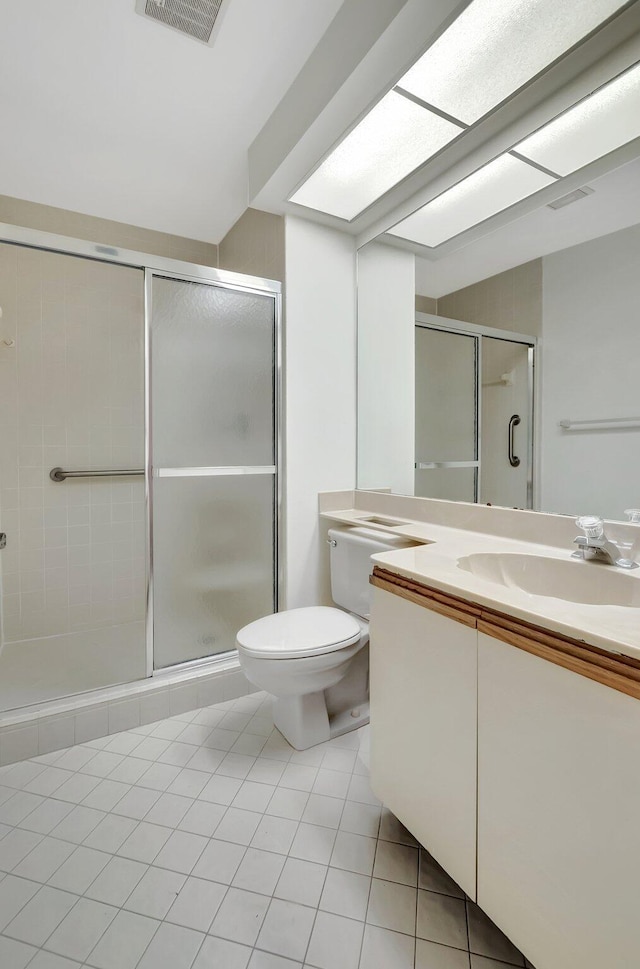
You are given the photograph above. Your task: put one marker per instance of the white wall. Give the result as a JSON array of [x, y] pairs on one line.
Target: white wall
[[590, 354], [320, 419], [386, 350]]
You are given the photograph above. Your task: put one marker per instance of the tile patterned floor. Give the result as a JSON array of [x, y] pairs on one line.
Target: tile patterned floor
[[206, 842]]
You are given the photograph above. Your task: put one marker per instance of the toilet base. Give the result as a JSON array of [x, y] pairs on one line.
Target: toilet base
[[304, 721], [349, 720]]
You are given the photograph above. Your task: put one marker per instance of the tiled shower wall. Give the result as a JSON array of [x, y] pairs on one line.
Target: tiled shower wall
[[71, 395]]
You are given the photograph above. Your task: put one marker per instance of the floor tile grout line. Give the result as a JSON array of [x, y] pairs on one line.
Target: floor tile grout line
[[176, 829], [415, 931], [364, 922], [366, 911], [324, 882], [121, 907], [79, 898], [466, 919], [282, 756], [106, 928], [288, 855], [88, 957]]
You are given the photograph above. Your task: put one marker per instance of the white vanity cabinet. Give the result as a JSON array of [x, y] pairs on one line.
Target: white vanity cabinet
[[423, 728], [558, 811], [549, 728]]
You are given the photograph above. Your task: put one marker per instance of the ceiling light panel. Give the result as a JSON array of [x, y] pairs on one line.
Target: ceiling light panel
[[490, 190], [390, 142], [606, 120], [495, 47]]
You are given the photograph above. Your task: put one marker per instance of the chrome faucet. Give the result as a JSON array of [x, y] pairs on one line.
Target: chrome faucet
[[595, 546]]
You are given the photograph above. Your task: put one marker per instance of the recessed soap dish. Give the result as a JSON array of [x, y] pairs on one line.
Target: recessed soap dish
[[379, 520]]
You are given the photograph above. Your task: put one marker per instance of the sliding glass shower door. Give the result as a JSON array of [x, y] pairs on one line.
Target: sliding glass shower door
[[213, 456], [446, 464]]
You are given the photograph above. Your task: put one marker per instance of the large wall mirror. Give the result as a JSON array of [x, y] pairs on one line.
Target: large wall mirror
[[508, 371]]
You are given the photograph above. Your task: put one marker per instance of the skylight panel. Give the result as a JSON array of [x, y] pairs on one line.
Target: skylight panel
[[495, 47], [391, 141], [493, 188], [604, 121]]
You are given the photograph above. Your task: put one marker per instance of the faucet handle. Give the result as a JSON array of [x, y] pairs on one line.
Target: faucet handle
[[633, 514], [591, 525]]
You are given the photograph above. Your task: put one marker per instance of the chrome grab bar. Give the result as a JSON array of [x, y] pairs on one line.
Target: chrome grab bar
[[58, 474], [514, 461]]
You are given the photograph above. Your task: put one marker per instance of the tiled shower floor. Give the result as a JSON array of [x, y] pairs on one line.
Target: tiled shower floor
[[206, 842]]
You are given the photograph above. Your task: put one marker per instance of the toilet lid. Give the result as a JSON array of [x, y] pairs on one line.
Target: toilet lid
[[299, 632]]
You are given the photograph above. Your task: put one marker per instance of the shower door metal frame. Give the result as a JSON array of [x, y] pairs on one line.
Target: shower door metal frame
[[428, 321], [246, 286], [191, 272], [477, 416]]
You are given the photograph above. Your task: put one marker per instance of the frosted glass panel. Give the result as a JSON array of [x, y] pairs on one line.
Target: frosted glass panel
[[451, 484], [213, 543], [212, 376], [445, 397]]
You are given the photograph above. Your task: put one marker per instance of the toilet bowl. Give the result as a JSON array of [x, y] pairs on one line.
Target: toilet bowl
[[315, 660]]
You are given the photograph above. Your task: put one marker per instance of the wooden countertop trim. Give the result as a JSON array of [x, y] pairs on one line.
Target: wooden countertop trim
[[616, 679], [401, 582], [618, 672], [572, 647], [464, 612]]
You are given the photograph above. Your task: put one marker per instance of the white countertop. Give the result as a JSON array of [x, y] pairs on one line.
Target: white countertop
[[614, 628]]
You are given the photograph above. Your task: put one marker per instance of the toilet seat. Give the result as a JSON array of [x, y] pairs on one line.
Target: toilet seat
[[297, 633]]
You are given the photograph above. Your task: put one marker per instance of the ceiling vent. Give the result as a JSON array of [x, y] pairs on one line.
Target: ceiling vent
[[580, 193], [195, 18]]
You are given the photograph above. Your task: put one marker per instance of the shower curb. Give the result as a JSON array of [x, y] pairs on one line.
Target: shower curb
[[42, 728]]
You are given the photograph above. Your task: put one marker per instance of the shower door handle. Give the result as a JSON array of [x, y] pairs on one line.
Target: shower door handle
[[514, 461]]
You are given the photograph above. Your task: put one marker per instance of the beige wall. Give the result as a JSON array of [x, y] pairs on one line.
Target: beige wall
[[426, 304], [32, 215], [510, 301], [255, 245]]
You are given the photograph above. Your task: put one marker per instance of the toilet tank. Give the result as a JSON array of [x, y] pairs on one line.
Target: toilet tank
[[351, 565]]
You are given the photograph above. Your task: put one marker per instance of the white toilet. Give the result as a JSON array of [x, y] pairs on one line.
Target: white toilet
[[315, 661]]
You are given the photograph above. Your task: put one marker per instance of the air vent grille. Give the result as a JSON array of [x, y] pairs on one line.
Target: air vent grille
[[193, 17], [579, 193]]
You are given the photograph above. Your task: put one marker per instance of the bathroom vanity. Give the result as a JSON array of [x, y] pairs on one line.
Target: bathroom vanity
[[505, 733]]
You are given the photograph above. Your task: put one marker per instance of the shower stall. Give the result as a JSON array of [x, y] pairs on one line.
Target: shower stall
[[139, 457]]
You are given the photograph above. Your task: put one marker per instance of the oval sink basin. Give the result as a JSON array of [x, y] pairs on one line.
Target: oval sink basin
[[585, 582]]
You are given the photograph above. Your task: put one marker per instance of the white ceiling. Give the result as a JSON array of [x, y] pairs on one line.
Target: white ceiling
[[107, 113], [614, 205]]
